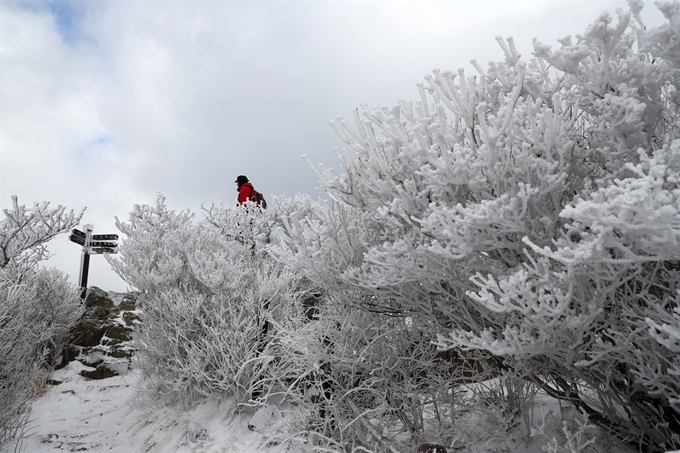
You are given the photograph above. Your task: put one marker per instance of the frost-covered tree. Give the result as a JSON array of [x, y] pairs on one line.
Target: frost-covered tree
[[37, 307], [530, 211], [25, 231], [210, 300]]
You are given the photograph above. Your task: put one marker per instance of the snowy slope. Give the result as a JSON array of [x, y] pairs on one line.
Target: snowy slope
[[104, 416]]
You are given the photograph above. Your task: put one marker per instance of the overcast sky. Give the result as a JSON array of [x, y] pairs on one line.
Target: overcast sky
[[103, 104]]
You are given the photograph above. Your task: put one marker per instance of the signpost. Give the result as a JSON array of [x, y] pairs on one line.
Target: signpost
[[105, 237], [77, 239], [102, 250], [103, 244], [99, 244], [76, 232]]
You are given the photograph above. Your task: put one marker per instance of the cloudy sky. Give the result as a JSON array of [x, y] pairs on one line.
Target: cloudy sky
[[104, 104]]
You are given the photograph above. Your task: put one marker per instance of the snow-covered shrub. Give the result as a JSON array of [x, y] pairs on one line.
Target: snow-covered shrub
[[530, 211], [370, 382], [24, 233], [152, 257], [37, 307], [210, 298], [575, 435]]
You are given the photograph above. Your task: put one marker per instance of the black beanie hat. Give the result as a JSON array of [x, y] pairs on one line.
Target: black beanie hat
[[241, 179]]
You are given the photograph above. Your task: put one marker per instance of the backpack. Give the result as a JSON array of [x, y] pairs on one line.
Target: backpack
[[258, 199]]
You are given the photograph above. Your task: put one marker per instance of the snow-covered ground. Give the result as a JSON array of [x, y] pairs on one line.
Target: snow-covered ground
[[83, 415], [104, 416]]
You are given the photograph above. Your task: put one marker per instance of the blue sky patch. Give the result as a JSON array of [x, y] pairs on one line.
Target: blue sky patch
[[68, 16], [95, 145]]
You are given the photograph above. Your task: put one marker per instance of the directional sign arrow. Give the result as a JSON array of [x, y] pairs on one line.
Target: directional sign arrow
[[103, 250], [77, 239], [105, 237], [76, 232], [103, 244]]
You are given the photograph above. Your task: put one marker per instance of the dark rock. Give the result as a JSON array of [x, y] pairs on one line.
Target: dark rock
[[97, 312], [99, 339], [68, 354], [111, 342], [87, 332], [119, 332], [129, 302], [431, 448], [121, 353], [101, 372], [53, 382], [129, 318], [97, 297], [91, 363]]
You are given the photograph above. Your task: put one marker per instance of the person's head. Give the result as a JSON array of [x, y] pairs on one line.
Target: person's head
[[241, 179]]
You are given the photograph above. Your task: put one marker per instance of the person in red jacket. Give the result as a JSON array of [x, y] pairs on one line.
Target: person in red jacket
[[245, 189]]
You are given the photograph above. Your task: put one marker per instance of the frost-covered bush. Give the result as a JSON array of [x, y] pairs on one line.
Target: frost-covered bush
[[24, 233], [372, 383], [37, 307], [210, 299], [531, 211]]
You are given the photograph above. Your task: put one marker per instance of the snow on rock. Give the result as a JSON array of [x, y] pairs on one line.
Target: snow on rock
[[117, 298], [97, 297]]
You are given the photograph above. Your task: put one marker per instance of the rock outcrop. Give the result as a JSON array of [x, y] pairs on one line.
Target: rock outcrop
[[97, 297], [101, 338]]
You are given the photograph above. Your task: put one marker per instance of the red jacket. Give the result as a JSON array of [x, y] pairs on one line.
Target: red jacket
[[245, 191]]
